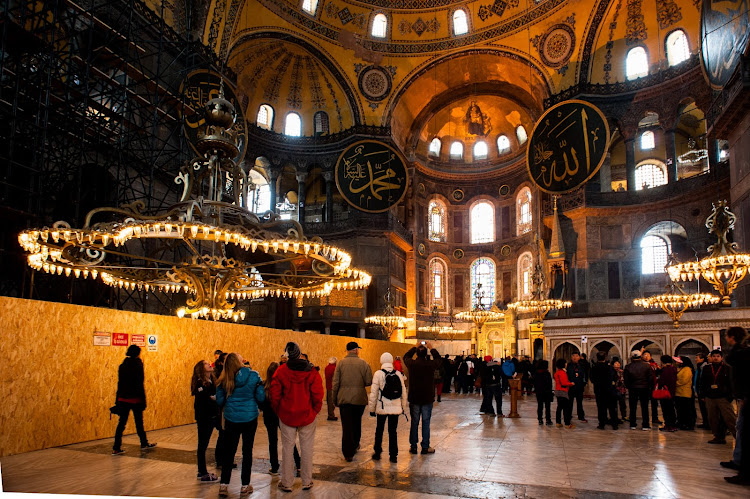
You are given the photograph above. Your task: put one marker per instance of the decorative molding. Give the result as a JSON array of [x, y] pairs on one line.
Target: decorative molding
[[419, 26], [496, 9], [610, 43], [668, 13], [636, 27]]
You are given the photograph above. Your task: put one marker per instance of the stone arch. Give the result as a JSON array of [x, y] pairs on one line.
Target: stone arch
[[563, 351], [656, 350], [690, 346], [607, 346]]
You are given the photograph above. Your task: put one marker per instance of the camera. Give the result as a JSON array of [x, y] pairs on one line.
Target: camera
[[424, 343]]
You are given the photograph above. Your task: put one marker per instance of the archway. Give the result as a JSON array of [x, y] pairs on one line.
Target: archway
[[607, 347], [654, 348], [564, 351], [689, 348]]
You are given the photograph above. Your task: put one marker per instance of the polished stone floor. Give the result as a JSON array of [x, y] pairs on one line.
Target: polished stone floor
[[476, 456]]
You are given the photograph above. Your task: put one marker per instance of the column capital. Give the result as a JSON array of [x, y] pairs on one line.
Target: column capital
[[301, 176], [328, 176]]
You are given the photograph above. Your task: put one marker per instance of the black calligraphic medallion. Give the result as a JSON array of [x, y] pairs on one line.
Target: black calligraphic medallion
[[725, 28], [567, 146], [199, 87], [371, 176]]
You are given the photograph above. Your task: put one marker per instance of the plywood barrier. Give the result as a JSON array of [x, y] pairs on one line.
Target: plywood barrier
[[57, 386]]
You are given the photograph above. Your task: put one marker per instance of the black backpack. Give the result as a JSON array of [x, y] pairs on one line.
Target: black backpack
[[392, 387]]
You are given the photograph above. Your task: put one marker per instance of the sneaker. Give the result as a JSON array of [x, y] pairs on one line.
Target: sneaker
[[549, 423], [148, 446], [283, 487], [208, 478], [583, 420], [600, 427], [246, 489], [223, 489], [393, 459], [570, 426], [559, 425], [376, 456], [428, 450], [633, 428], [730, 464], [500, 415], [412, 450], [273, 472], [718, 441], [307, 486], [117, 452], [646, 428], [541, 422]]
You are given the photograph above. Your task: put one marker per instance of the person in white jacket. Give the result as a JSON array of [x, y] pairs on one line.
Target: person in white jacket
[[386, 403]]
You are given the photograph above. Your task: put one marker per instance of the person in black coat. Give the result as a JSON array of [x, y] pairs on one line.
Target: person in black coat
[[491, 375], [543, 389], [604, 379], [577, 374], [206, 414], [131, 396]]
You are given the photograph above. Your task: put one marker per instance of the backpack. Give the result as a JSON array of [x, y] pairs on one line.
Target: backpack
[[392, 386]]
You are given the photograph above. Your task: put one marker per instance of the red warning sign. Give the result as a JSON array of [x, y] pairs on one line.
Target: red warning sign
[[119, 339]]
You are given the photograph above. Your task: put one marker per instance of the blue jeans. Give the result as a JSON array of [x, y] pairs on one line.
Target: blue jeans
[[417, 412]]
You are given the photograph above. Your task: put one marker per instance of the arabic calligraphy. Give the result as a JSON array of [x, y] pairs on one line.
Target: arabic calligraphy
[[371, 176], [725, 29], [567, 146]]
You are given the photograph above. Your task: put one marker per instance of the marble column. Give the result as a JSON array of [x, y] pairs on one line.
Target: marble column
[[273, 177], [301, 179], [328, 214], [630, 162], [670, 155]]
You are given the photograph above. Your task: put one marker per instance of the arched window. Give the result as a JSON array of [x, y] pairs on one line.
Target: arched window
[[293, 126], [436, 221], [654, 251], [647, 141], [437, 283], [310, 6], [320, 123], [460, 24], [636, 63], [261, 202], [523, 211], [649, 175], [265, 116], [525, 270], [379, 26], [678, 49], [480, 148], [503, 144], [483, 280], [434, 149], [482, 222], [521, 134], [457, 150]]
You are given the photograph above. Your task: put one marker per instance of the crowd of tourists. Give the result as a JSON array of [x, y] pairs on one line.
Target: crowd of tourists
[[229, 396]]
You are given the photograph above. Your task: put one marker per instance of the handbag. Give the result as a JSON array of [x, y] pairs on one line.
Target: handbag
[[478, 382], [561, 394], [115, 409], [661, 393]]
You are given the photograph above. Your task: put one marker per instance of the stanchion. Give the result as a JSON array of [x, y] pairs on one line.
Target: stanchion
[[515, 389]]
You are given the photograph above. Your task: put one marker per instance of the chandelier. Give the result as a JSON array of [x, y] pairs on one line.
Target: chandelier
[[724, 267], [435, 329], [479, 315], [694, 154], [389, 321], [676, 302], [538, 306], [213, 251]]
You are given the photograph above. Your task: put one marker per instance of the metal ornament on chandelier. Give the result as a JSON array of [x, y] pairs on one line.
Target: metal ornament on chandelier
[[389, 321], [479, 315], [221, 251], [724, 267], [435, 329]]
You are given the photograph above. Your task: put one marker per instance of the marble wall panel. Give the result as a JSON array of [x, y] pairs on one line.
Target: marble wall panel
[[57, 386], [597, 281]]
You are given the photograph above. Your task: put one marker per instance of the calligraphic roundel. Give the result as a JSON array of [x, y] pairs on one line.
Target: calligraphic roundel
[[567, 146], [725, 30], [371, 176], [200, 87]]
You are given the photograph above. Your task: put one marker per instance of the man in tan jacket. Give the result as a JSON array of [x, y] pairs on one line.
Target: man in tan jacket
[[351, 377]]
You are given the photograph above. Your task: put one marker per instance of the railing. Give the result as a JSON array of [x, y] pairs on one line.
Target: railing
[[360, 221]]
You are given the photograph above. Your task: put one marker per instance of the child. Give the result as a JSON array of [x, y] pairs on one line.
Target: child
[[543, 389], [564, 404]]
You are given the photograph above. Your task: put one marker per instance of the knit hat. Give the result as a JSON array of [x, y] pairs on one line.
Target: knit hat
[[292, 350], [487, 358], [386, 358], [636, 354]]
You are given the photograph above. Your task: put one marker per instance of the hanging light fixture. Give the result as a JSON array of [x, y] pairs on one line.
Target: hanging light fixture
[[221, 251], [389, 321], [724, 267], [436, 329], [479, 315]]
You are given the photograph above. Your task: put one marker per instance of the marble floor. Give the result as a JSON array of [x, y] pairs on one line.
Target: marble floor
[[476, 456]]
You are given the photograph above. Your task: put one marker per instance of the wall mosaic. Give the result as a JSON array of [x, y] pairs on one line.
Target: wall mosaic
[[496, 9], [556, 45], [419, 26], [232, 18], [610, 43], [635, 27], [213, 30], [668, 13], [294, 100], [271, 92], [317, 98]]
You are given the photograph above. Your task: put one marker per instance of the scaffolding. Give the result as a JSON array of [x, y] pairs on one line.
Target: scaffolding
[[91, 114]]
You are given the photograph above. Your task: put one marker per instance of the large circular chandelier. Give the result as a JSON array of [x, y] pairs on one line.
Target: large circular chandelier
[[389, 321], [213, 251], [675, 304], [724, 267]]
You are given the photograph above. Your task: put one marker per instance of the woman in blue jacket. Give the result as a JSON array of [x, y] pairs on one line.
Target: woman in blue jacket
[[240, 392]]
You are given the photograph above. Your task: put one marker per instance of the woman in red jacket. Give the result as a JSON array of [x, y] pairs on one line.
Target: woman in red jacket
[[564, 404], [296, 398]]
